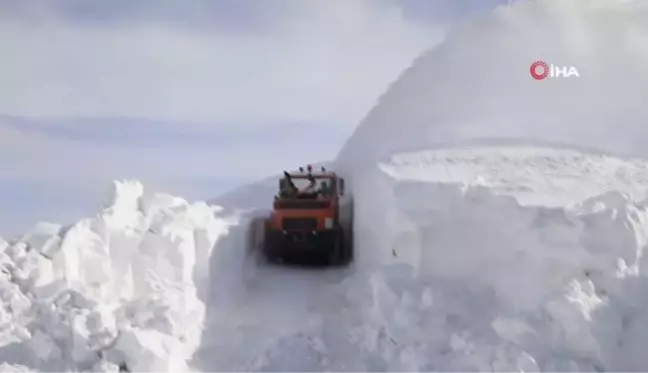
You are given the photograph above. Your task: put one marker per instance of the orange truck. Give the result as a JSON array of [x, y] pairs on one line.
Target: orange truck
[[311, 224]]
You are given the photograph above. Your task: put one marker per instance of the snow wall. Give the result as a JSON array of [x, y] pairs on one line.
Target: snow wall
[[460, 278], [115, 290]]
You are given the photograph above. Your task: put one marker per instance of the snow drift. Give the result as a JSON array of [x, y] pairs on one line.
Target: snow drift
[[476, 85], [116, 289]]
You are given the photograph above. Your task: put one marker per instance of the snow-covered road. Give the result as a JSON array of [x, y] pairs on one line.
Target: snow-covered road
[[252, 303]]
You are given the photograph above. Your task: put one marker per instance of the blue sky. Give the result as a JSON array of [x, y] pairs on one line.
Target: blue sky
[[192, 97]]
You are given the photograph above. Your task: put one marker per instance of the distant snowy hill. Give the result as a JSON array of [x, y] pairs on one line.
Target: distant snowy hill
[[481, 243]]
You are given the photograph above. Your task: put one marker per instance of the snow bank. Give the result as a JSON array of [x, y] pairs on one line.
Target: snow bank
[[457, 277], [476, 85], [119, 288]]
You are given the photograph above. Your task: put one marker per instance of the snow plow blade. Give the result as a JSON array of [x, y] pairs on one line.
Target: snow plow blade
[[327, 247]]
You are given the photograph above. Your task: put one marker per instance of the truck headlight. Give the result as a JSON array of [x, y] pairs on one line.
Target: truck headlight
[[328, 223]]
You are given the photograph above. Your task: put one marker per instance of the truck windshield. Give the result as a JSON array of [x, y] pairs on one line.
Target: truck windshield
[[304, 183]]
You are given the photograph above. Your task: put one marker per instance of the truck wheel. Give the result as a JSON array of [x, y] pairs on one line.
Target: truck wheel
[[349, 249], [336, 256]]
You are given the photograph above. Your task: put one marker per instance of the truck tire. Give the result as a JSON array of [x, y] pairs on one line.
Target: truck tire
[[336, 255], [348, 246], [348, 235]]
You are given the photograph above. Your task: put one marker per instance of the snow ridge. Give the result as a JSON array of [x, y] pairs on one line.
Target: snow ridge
[[119, 288]]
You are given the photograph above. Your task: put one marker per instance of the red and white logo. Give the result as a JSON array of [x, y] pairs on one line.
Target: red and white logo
[[541, 70]]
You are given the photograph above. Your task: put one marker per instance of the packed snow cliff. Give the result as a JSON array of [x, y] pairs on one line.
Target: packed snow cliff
[[116, 290], [508, 258]]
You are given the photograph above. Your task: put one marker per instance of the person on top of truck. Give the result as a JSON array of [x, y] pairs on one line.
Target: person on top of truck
[[324, 189], [288, 188], [309, 191]]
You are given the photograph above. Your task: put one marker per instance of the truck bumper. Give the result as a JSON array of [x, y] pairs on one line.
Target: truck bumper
[[302, 244]]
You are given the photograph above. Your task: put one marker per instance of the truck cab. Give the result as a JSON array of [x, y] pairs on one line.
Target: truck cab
[[313, 210]]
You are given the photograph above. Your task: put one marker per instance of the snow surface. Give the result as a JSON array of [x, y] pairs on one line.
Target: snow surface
[[490, 257]]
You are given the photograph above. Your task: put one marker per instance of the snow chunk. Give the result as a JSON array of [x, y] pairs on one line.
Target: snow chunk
[[583, 295], [4, 367], [149, 351], [44, 238], [105, 366], [44, 347]]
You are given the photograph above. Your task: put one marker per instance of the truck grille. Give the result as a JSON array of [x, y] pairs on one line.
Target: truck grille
[[302, 204], [299, 224]]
